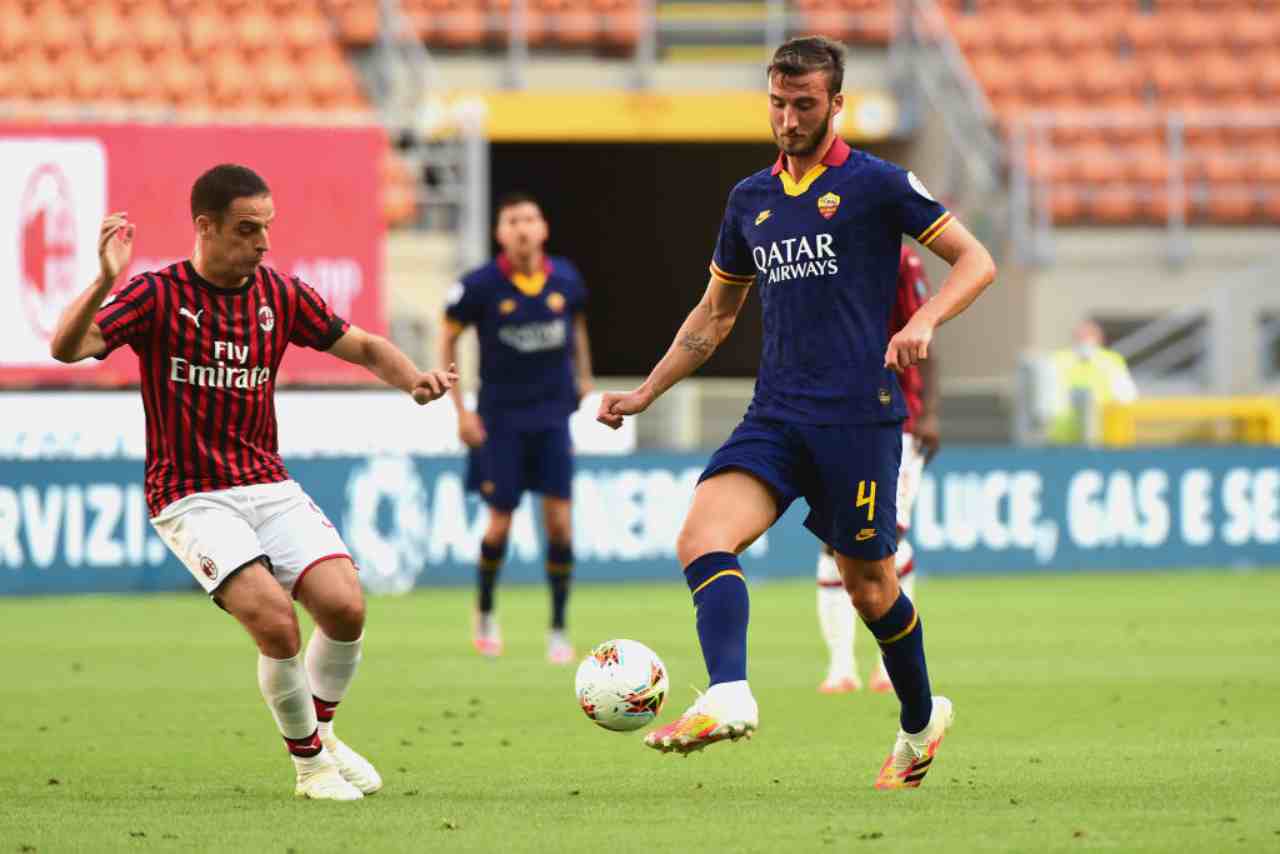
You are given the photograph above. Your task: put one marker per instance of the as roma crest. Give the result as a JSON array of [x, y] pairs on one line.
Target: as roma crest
[[827, 205], [507, 306]]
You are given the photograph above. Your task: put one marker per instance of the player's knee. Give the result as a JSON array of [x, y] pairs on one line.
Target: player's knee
[[560, 531], [275, 629], [343, 620], [872, 595], [499, 527], [696, 540]]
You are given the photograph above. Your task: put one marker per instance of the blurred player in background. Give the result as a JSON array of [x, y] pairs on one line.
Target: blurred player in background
[[822, 232], [535, 367], [209, 334], [919, 444]]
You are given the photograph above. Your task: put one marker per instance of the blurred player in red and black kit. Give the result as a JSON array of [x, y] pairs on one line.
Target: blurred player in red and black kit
[[836, 615], [209, 334]]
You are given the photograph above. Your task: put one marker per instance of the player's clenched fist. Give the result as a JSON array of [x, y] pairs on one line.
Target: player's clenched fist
[[115, 244], [615, 405], [910, 345], [433, 385]]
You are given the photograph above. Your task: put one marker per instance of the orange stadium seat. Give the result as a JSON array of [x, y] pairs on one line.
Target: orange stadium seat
[[303, 29], [107, 30], [331, 83], [972, 32], [1099, 164], [577, 27], [180, 81], [1227, 205], [358, 24], [90, 80], [463, 26], [1271, 204], [1016, 33], [622, 29], [133, 78], [230, 82], [1046, 79], [153, 30], [281, 82], [1143, 33], [41, 79], [54, 29], [254, 30], [206, 31], [1066, 204], [1113, 205], [1249, 30]]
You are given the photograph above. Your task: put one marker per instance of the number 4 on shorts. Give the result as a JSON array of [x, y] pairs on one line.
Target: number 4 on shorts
[[867, 498]]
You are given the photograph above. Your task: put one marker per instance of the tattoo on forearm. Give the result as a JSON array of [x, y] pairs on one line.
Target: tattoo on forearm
[[699, 345]]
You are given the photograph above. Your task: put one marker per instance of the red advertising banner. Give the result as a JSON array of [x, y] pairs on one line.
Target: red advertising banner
[[60, 180]]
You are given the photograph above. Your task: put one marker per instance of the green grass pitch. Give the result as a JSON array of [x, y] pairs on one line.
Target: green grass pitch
[[1116, 712]]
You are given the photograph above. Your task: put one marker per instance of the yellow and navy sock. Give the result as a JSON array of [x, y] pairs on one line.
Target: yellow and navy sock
[[720, 595], [901, 637], [559, 576], [491, 556]]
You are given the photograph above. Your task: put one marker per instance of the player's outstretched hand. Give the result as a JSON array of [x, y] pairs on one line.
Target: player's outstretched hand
[[433, 385], [909, 346], [614, 406], [115, 245]]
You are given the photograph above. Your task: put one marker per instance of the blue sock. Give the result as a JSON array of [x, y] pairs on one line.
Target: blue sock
[[720, 595], [491, 555], [559, 573], [901, 637]]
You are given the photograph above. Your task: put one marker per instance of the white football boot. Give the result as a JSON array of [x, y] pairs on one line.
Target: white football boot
[[355, 769], [913, 754], [726, 711], [324, 782]]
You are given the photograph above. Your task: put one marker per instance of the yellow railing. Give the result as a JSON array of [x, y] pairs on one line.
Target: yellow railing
[[1171, 420]]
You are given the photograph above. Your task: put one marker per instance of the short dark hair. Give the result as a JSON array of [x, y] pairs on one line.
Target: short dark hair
[[510, 200], [213, 192], [799, 56]]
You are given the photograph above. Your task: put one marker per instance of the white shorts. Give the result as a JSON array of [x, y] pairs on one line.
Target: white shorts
[[216, 533], [910, 471]]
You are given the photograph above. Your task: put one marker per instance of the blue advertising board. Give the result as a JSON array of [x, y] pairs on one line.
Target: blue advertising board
[[81, 525]]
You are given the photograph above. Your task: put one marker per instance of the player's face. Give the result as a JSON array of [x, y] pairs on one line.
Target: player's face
[[800, 111], [521, 230], [237, 245]]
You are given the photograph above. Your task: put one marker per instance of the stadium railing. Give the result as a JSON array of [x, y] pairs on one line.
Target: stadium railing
[[1199, 420]]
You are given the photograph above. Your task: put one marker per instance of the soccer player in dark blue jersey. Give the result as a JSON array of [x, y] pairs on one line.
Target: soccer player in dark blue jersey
[[821, 233], [535, 366]]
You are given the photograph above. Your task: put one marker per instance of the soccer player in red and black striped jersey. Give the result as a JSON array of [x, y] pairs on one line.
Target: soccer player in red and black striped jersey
[[209, 334], [836, 616]]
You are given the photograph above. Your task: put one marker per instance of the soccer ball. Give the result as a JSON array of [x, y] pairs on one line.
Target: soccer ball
[[621, 685]]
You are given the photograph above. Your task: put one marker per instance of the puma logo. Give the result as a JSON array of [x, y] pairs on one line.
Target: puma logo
[[195, 318]]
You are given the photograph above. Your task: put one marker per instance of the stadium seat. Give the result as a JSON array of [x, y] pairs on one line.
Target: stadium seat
[[108, 31], [55, 30], [17, 34], [180, 81], [90, 79], [1015, 33], [133, 78], [622, 29], [1248, 31], [399, 191], [302, 29], [1227, 205], [206, 31], [1066, 204], [464, 26], [255, 31], [359, 24], [1098, 164], [1113, 205], [1142, 33], [577, 28], [331, 83], [41, 79], [153, 30]]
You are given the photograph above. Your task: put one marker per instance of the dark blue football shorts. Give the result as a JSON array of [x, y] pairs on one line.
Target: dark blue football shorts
[[848, 474], [511, 462]]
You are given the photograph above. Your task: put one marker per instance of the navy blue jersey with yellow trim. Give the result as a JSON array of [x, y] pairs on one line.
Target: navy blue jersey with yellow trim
[[824, 252], [526, 330]]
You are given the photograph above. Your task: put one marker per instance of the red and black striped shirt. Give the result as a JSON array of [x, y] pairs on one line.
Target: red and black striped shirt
[[209, 358]]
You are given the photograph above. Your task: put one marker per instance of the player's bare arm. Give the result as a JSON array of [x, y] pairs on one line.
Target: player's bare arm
[[972, 270], [385, 361], [707, 325], [77, 336], [470, 425], [582, 356]]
